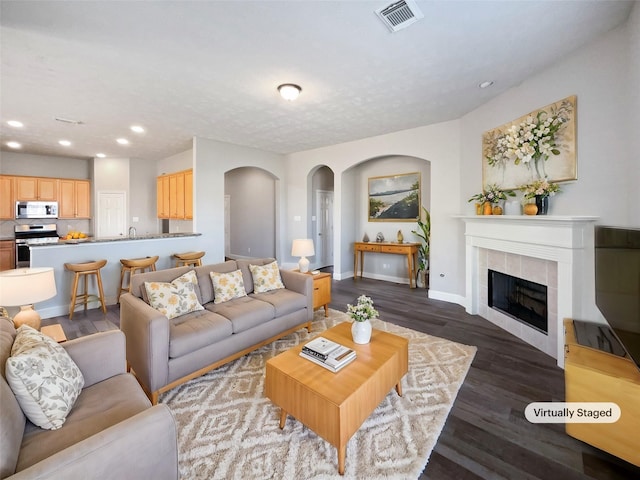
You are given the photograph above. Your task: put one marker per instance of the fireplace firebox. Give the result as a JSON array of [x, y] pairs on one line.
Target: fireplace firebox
[[520, 299]]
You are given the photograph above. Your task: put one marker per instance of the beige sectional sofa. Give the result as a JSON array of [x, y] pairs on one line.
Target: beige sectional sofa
[[111, 432], [164, 353]]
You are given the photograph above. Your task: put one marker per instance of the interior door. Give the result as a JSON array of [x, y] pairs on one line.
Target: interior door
[[111, 218], [324, 240]]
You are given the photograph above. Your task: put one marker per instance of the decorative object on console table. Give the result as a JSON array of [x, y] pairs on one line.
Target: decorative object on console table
[[365, 238], [379, 237], [361, 313], [303, 248], [400, 237], [22, 288]]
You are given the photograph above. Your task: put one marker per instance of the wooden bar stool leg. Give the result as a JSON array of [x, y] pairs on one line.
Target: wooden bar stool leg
[[74, 295], [99, 277], [86, 291]]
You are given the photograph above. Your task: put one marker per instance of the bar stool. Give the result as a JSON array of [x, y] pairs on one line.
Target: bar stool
[[133, 265], [84, 270], [189, 258]]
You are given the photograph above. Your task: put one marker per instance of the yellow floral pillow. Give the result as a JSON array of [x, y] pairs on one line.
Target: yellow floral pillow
[[266, 277], [227, 286], [175, 298]]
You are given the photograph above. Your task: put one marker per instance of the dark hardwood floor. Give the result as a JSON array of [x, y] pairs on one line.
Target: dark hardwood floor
[[486, 435]]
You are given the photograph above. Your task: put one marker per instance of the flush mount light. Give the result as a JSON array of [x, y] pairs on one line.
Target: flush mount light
[[15, 123], [289, 91], [486, 84], [14, 145], [100, 155], [64, 143], [137, 129], [123, 141]]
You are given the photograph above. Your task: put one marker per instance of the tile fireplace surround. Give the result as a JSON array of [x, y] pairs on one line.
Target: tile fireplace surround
[[556, 251]]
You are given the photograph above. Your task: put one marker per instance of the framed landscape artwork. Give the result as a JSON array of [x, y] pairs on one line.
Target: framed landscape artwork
[[541, 144], [394, 198]]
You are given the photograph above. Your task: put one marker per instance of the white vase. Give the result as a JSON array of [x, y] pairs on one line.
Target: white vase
[[361, 332]]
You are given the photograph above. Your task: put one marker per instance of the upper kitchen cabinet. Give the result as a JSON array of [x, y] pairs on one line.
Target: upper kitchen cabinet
[[7, 198], [36, 188], [175, 195], [74, 199]]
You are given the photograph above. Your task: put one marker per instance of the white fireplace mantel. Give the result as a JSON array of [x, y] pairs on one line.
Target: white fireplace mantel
[[566, 240]]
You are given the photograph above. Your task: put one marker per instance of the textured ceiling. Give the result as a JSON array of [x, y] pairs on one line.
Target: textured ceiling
[[210, 69]]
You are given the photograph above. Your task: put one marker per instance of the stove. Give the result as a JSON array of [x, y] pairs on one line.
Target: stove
[[27, 235]]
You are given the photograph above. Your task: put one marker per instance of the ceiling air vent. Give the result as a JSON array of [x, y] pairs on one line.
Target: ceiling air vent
[[400, 15]]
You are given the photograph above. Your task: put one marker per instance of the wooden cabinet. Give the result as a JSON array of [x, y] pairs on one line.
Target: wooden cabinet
[[74, 199], [322, 291], [36, 188], [175, 195], [7, 198], [7, 254], [595, 376]]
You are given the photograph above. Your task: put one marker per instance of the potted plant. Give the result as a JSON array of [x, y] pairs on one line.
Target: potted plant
[[540, 191], [362, 313], [424, 232], [492, 196]]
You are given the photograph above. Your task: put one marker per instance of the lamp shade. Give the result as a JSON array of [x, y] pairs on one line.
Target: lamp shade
[[24, 286], [302, 247]]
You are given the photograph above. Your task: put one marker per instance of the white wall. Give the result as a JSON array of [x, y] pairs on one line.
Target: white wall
[[142, 196], [14, 163], [633, 30]]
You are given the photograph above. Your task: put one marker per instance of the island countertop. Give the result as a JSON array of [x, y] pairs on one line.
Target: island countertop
[[119, 238]]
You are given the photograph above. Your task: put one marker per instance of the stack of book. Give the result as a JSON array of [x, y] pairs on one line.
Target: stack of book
[[327, 353]]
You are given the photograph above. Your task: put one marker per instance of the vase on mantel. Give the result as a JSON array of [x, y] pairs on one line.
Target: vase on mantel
[[542, 202], [361, 332]]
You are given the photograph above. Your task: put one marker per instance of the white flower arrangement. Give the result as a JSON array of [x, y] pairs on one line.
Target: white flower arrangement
[[363, 310]]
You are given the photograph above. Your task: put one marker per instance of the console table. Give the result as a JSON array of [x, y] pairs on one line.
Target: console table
[[408, 249]]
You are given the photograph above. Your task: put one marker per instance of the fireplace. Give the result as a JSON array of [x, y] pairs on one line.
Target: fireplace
[[521, 299]]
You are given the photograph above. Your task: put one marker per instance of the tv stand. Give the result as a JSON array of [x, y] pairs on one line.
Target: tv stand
[[592, 375]]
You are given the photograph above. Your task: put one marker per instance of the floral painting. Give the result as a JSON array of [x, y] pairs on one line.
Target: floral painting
[[539, 145], [394, 198]]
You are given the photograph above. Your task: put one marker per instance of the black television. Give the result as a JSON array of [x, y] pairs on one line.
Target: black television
[[617, 280]]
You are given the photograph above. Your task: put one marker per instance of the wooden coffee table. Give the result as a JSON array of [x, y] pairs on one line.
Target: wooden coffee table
[[334, 405]]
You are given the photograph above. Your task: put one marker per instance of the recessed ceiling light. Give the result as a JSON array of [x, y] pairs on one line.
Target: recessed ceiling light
[[100, 155], [15, 123], [289, 91], [486, 84], [137, 129], [123, 141], [14, 145], [64, 143]]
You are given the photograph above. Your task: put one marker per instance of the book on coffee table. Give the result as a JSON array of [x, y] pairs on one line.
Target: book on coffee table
[[328, 354]]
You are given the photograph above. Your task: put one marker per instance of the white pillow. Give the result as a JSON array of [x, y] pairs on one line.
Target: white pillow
[[227, 286], [266, 277], [175, 298], [44, 379]]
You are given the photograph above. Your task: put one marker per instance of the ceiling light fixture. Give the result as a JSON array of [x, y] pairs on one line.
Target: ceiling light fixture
[[15, 123], [64, 143], [100, 155], [289, 91], [14, 145], [123, 141], [486, 84], [137, 129], [68, 120]]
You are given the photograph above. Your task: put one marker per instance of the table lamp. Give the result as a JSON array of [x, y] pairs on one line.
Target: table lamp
[[303, 248], [22, 288]]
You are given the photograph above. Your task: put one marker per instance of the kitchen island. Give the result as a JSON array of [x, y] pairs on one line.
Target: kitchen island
[[111, 249]]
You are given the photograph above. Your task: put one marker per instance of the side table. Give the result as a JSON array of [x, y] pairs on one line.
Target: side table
[[321, 290], [55, 331]]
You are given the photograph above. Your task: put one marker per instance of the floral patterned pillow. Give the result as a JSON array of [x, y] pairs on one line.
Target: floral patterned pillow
[[175, 298], [266, 277], [227, 286], [43, 377]]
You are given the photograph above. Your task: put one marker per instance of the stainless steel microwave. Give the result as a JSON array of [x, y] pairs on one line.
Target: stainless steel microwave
[[36, 209]]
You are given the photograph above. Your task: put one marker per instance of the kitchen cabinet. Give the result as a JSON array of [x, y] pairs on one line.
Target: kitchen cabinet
[[36, 188], [174, 195], [7, 198], [74, 198], [7, 254]]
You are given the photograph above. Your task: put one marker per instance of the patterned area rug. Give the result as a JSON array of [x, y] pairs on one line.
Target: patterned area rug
[[228, 429]]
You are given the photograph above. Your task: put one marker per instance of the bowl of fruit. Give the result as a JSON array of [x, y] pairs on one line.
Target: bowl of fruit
[[74, 235]]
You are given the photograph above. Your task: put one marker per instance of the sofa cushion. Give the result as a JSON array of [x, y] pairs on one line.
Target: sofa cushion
[[227, 286], [266, 277], [196, 330], [283, 301], [244, 312], [43, 377], [243, 265], [98, 407], [175, 298]]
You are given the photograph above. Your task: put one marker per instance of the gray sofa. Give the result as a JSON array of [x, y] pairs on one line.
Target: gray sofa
[[164, 353], [112, 431]]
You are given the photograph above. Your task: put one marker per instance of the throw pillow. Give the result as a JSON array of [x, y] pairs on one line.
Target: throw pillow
[[44, 379], [266, 277], [227, 286], [176, 298]]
